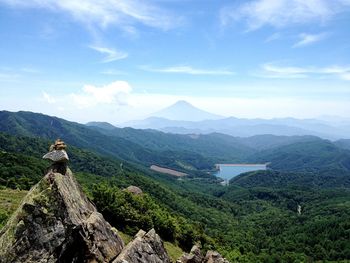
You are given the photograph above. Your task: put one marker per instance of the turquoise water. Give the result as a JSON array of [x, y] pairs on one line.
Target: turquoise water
[[227, 172]]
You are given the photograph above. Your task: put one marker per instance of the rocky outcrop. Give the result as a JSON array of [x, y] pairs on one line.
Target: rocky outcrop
[[145, 248], [57, 223], [196, 256], [134, 190], [214, 257]]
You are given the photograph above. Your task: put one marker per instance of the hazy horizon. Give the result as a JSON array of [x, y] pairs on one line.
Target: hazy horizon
[[119, 61]]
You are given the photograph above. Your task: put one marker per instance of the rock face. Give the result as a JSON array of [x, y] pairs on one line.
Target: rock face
[[57, 223], [196, 256], [145, 248]]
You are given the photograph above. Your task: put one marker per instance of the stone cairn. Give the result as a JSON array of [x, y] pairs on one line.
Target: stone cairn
[[58, 155]]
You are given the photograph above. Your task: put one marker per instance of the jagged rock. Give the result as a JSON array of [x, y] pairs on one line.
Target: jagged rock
[[134, 190], [57, 156], [195, 256], [145, 248], [57, 223], [214, 257]]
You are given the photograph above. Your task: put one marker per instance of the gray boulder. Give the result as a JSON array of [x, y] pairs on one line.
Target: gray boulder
[[57, 223], [195, 256], [134, 190], [214, 257], [145, 248]]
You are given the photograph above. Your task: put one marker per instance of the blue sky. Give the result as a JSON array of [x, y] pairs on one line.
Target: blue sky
[[117, 60]]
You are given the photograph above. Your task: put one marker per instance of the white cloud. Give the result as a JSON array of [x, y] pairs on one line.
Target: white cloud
[[189, 70], [114, 93], [111, 54], [272, 70], [104, 13], [282, 13], [48, 98], [308, 39]]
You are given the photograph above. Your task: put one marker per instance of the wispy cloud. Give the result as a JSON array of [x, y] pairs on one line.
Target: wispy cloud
[[104, 13], [272, 70], [282, 13], [189, 70], [9, 74], [113, 93], [113, 72], [308, 39], [48, 98], [273, 37], [111, 54]]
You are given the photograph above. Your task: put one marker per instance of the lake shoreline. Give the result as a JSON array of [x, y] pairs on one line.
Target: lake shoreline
[[229, 171]]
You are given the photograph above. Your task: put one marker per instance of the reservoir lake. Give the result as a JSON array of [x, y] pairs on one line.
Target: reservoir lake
[[228, 171]]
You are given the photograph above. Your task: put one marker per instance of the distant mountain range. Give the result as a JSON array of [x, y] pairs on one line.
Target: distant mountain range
[[189, 153], [184, 118], [184, 111]]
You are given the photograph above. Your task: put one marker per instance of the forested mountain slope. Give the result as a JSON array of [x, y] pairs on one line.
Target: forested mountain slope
[[310, 156], [244, 222], [278, 179], [39, 125]]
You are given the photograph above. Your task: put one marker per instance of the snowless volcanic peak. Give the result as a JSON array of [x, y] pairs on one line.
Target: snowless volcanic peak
[[184, 111]]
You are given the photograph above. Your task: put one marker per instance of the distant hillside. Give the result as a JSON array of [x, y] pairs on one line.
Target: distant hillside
[[39, 125], [345, 144], [310, 156], [278, 179], [219, 147], [102, 125], [268, 141]]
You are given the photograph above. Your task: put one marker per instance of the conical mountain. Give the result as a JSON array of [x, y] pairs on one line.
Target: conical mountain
[[184, 111]]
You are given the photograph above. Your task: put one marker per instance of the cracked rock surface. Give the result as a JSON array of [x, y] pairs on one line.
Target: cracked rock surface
[[145, 248]]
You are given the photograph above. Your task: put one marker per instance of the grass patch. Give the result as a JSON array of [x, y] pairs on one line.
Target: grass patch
[[9, 201], [174, 251], [126, 238]]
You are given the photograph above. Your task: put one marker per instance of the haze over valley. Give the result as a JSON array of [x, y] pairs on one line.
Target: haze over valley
[[182, 117]]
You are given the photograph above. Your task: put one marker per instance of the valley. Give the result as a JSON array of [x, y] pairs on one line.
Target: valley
[[254, 218]]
